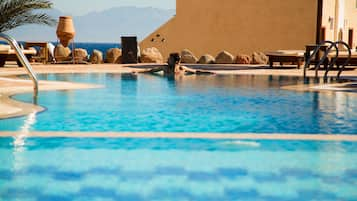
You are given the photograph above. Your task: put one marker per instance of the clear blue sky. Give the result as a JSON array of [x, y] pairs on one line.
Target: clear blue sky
[[80, 7]]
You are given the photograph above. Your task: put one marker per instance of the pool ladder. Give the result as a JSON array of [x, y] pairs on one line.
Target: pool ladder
[[24, 61], [332, 45]]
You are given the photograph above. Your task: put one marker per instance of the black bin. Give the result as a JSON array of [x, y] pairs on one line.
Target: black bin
[[129, 47]]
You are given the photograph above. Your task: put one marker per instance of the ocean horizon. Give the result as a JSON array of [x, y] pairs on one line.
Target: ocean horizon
[[89, 46]]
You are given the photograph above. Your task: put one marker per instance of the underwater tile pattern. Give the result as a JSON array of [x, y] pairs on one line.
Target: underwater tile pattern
[[111, 169], [155, 181]]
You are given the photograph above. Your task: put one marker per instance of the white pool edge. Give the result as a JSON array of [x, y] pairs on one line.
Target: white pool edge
[[188, 135]]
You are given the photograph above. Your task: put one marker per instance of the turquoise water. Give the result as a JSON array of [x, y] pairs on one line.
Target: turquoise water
[[227, 104], [66, 169]]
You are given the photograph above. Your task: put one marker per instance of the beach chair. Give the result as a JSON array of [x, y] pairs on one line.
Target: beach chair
[[342, 57], [283, 56], [8, 54]]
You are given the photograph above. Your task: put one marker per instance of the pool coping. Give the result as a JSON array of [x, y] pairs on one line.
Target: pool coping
[[11, 108], [186, 135]]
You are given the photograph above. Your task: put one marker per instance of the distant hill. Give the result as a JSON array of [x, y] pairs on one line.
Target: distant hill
[[105, 26]]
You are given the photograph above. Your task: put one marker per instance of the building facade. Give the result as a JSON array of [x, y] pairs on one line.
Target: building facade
[[339, 21], [210, 26]]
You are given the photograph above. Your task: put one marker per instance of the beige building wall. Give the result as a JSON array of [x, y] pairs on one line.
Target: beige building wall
[[351, 20], [329, 19], [238, 26], [332, 23]]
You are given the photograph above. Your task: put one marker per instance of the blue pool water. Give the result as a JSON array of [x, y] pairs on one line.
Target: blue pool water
[[227, 104], [170, 169]]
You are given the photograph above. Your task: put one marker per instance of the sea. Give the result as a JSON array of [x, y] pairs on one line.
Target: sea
[[103, 47]]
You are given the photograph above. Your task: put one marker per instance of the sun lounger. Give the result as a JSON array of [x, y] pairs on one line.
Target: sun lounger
[[281, 56], [309, 49], [8, 54], [342, 56]]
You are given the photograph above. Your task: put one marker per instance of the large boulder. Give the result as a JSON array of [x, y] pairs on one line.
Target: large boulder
[[114, 55], [188, 57], [96, 57], [259, 58], [224, 57], [80, 54], [62, 53], [206, 59], [151, 55], [243, 59]]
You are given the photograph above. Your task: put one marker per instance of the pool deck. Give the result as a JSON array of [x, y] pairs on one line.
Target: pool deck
[[10, 85]]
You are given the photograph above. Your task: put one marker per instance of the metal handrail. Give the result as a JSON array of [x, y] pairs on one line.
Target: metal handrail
[[324, 57], [22, 58], [313, 55], [347, 60], [332, 63]]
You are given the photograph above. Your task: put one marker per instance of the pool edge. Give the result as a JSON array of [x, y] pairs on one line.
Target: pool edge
[[188, 135]]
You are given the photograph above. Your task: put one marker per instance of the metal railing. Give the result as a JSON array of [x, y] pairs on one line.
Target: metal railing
[[22, 58], [325, 56], [315, 52], [347, 60]]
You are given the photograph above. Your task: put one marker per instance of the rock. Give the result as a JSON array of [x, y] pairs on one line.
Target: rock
[[80, 54], [224, 58], [259, 58], [243, 59], [206, 59], [114, 55], [188, 57], [62, 53], [96, 57], [151, 55]]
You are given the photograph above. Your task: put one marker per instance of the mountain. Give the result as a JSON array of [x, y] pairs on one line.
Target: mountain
[[105, 26]]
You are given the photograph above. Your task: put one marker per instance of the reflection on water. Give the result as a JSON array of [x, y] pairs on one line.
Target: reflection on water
[[338, 107], [19, 142], [256, 82], [197, 103], [19, 139]]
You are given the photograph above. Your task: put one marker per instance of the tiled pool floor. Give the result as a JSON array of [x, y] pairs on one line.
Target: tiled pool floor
[[58, 168]]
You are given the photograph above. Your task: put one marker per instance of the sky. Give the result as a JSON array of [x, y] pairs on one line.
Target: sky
[[81, 7]]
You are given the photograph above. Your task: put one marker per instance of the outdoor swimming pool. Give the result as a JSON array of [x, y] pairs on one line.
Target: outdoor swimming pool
[[138, 169], [44, 169], [224, 104]]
